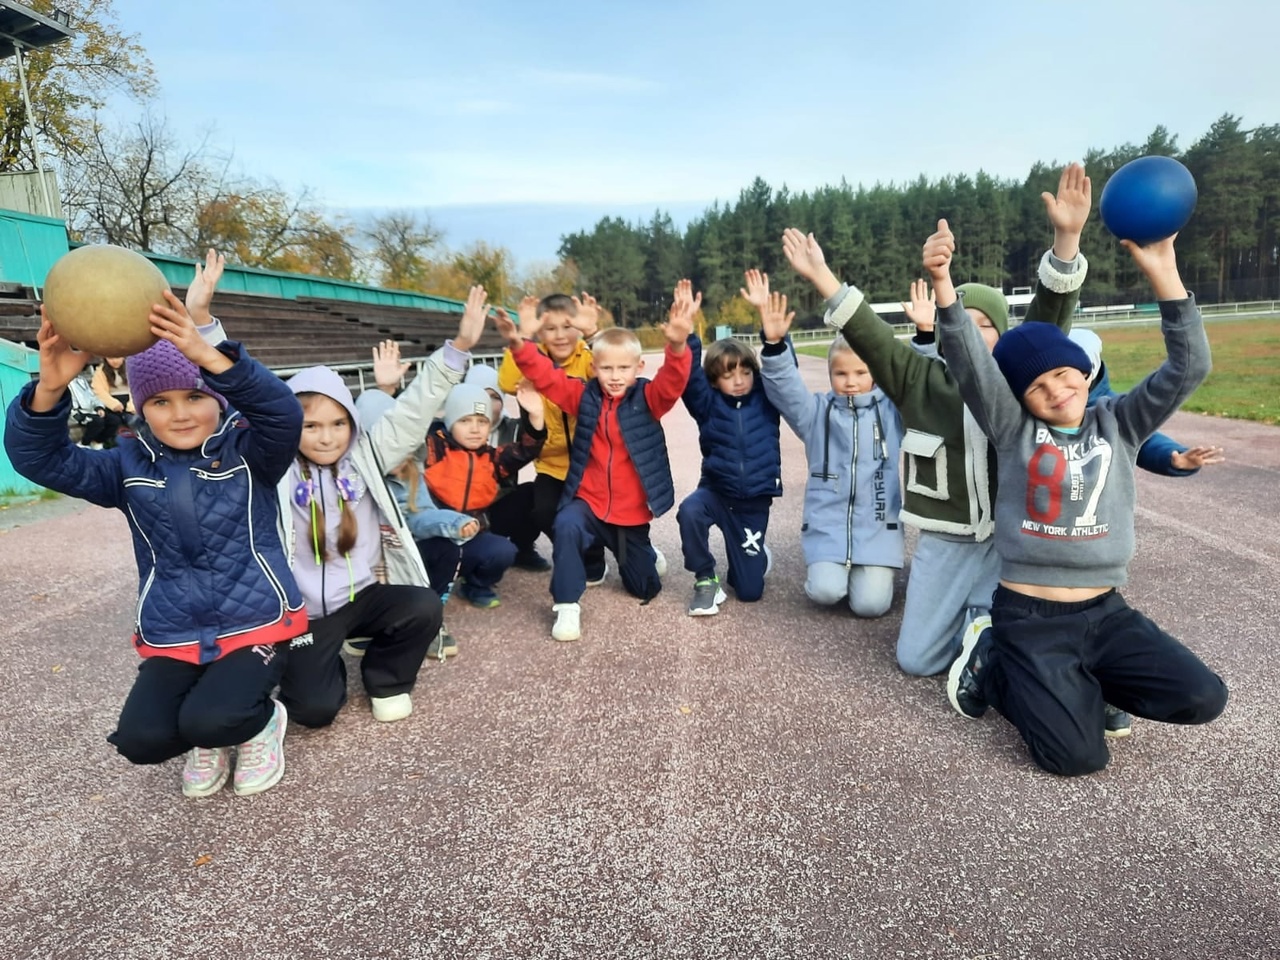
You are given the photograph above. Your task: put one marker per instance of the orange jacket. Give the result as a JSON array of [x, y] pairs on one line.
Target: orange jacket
[[467, 480]]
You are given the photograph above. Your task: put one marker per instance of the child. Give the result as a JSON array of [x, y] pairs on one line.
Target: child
[[111, 386], [464, 472], [565, 323], [741, 473], [217, 597], [353, 554], [511, 514], [619, 476], [851, 536], [948, 482], [1061, 641], [1159, 454]]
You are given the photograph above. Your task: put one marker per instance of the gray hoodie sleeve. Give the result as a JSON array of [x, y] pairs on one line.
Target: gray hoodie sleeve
[[985, 391]]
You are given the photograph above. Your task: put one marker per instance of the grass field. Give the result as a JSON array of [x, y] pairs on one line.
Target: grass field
[[1245, 383]]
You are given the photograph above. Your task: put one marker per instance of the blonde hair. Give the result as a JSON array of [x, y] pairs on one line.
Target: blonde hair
[[409, 474], [839, 345], [618, 338]]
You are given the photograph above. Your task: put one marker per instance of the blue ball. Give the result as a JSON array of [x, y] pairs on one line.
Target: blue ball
[[1148, 199]]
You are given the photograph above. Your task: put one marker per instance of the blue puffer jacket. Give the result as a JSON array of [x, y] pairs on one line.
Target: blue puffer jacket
[[1154, 455], [213, 576], [741, 456], [853, 498]]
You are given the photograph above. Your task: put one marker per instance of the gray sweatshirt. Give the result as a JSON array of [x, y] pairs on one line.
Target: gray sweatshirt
[[1064, 501]]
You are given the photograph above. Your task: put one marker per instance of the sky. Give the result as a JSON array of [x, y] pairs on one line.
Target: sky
[[514, 122]]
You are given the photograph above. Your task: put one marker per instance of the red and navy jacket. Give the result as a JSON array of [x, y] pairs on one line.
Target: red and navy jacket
[[213, 576]]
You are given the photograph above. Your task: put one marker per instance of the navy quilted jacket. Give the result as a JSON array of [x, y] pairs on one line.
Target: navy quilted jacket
[[741, 453], [213, 576]]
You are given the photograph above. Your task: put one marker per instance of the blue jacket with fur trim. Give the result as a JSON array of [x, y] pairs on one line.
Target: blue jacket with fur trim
[[213, 575]]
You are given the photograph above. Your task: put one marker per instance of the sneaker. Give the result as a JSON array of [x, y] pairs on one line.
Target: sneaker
[[486, 598], [260, 759], [442, 645], [205, 771], [355, 646], [707, 597], [963, 688], [568, 622], [768, 560], [1118, 723], [531, 559], [595, 578], [392, 708], [660, 562]]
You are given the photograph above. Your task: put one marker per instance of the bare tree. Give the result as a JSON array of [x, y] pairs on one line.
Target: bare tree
[[401, 243]]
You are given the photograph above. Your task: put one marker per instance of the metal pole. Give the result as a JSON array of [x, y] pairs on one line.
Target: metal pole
[[31, 130]]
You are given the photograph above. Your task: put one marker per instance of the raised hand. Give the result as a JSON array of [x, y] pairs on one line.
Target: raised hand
[[471, 326], [506, 327], [587, 318], [936, 258], [1196, 457], [920, 310], [803, 253], [1160, 263], [170, 321], [530, 401], [530, 322], [1068, 210], [756, 291], [775, 319], [200, 292], [684, 307], [388, 371], [60, 363]]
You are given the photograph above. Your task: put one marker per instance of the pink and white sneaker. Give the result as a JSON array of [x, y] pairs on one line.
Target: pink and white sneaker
[[205, 771], [260, 759]]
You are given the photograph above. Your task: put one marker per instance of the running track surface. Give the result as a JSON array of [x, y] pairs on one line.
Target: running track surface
[[763, 783]]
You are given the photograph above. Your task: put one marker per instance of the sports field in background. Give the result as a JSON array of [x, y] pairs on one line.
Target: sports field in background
[[1244, 384]]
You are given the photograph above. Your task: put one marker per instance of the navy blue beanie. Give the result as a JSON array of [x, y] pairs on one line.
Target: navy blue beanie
[[1031, 349]]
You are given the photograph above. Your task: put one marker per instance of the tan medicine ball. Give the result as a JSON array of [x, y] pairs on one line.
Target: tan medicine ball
[[98, 299]]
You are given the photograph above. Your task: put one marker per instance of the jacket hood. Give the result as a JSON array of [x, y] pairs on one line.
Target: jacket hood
[[328, 382]]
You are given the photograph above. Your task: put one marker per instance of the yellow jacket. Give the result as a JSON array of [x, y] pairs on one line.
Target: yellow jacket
[[554, 459]]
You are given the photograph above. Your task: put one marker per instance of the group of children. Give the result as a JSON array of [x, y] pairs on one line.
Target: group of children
[[275, 523]]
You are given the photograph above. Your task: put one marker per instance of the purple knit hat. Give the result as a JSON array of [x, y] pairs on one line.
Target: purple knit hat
[[162, 367]]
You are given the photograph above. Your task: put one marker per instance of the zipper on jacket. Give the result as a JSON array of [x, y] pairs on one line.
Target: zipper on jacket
[[853, 487]]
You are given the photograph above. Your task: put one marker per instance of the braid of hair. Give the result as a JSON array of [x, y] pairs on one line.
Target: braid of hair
[[317, 528], [348, 528]]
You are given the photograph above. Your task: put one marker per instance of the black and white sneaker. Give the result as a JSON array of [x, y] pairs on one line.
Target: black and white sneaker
[[1118, 723], [964, 689]]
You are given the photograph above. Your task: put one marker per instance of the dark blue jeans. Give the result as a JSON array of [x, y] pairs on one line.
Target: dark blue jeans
[[578, 532]]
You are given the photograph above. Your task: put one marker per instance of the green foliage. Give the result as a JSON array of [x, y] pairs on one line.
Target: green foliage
[[872, 235]]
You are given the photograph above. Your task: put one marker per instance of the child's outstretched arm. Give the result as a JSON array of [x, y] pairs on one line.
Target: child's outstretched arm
[[1163, 455], [985, 391], [586, 319], [401, 430], [533, 433], [1062, 269], [259, 396], [552, 382], [388, 370], [1142, 410], [35, 434], [783, 385], [669, 382]]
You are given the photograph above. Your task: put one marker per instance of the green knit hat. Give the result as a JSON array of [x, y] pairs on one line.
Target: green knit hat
[[989, 300]]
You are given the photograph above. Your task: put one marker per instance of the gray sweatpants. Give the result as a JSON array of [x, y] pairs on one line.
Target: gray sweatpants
[[869, 589], [951, 583]]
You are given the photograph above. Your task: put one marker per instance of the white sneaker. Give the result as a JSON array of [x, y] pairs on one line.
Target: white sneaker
[[205, 771], [768, 560], [660, 562], [568, 622], [600, 579], [392, 708]]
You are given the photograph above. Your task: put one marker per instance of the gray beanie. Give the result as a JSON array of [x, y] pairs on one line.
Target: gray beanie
[[465, 399]]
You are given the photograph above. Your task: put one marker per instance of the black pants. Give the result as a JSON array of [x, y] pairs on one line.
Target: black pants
[[1053, 667], [546, 501], [512, 516], [175, 705], [102, 429], [400, 622]]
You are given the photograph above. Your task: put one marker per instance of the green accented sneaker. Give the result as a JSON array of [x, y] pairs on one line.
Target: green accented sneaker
[[707, 597], [964, 689]]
